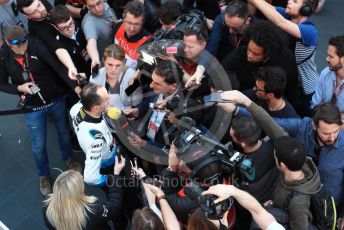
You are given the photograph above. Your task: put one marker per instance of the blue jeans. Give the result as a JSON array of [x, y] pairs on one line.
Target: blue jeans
[[37, 124]]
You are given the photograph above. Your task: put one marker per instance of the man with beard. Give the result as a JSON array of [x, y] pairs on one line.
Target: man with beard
[[321, 135], [331, 82], [37, 13], [228, 29], [266, 47]]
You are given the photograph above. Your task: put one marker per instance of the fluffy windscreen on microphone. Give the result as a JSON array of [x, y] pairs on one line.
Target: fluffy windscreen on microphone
[[114, 113]]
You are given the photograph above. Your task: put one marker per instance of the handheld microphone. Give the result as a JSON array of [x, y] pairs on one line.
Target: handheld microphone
[[117, 121]]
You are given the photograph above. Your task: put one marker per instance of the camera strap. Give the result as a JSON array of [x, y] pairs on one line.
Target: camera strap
[[27, 67]]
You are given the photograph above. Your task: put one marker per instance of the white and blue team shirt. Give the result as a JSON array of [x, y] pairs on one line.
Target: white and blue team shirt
[[96, 141]]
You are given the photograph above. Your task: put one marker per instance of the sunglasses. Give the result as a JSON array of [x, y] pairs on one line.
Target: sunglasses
[[18, 41]]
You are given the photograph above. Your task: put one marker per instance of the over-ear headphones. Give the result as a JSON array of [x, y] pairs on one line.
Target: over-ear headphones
[[308, 8]]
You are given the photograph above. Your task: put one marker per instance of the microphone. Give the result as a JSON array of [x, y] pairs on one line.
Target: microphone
[[117, 120], [114, 113]]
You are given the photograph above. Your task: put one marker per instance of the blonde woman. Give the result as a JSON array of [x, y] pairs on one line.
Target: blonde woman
[[115, 77], [69, 208]]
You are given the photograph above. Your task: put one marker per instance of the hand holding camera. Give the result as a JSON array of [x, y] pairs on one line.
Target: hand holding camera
[[214, 204], [222, 191], [25, 88]]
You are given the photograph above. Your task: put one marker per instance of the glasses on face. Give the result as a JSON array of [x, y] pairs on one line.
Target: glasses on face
[[255, 88], [132, 24], [254, 53], [68, 27], [235, 29], [18, 41], [97, 4]]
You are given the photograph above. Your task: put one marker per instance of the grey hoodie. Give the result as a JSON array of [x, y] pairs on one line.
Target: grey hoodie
[[298, 208]]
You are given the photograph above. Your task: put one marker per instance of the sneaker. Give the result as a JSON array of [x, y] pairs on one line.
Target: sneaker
[[74, 165], [44, 185]]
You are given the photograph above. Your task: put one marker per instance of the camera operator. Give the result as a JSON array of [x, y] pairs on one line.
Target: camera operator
[[35, 75], [168, 13], [246, 133], [183, 197], [263, 218], [299, 174], [320, 134]]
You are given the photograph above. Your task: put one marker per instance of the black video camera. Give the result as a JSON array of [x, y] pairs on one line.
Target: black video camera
[[188, 140], [241, 165], [209, 208]]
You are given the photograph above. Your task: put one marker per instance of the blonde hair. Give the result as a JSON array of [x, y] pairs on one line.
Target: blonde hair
[[67, 205]]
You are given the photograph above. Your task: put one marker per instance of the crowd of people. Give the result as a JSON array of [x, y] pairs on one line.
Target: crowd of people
[[194, 114]]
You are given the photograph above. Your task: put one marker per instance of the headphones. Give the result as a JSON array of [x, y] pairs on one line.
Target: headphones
[[308, 8], [203, 163]]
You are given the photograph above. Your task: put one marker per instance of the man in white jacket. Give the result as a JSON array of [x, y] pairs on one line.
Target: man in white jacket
[[93, 134]]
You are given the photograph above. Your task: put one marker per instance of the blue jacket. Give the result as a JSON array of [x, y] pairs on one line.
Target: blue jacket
[[331, 158], [220, 42]]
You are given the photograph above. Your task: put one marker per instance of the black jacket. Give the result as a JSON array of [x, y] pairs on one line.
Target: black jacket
[[46, 70], [103, 211], [76, 48], [182, 206], [236, 62]]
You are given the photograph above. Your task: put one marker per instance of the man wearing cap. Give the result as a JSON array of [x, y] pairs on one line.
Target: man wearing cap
[[9, 16], [36, 78]]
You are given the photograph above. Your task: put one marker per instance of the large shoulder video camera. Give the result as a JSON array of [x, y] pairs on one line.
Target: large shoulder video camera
[[167, 42], [188, 140]]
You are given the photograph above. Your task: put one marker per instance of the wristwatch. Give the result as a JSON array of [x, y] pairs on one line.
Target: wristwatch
[[158, 198]]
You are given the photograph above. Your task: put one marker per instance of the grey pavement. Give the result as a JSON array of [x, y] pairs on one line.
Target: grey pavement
[[20, 199]]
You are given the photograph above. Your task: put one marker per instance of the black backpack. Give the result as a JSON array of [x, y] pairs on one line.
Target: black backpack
[[322, 207]]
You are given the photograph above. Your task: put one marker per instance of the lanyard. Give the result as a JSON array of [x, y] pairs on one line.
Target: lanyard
[[336, 91], [27, 68], [237, 41]]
